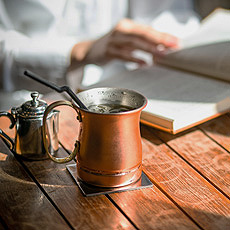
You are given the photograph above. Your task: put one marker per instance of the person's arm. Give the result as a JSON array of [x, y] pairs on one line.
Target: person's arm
[[51, 56]]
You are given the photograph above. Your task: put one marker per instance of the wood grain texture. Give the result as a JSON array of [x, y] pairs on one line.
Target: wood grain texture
[[82, 212], [22, 203], [184, 168], [195, 195], [219, 130], [149, 209], [160, 213], [206, 156]]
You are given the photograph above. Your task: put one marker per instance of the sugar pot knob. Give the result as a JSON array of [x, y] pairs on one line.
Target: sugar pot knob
[[35, 101]]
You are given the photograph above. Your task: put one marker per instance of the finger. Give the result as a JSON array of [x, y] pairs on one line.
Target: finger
[[132, 42], [163, 38], [124, 54], [146, 32]]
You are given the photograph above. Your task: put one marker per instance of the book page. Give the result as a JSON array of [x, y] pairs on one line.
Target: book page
[[214, 28], [173, 95], [207, 51], [212, 60]]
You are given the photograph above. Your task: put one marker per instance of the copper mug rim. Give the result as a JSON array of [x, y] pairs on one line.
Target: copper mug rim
[[133, 109]]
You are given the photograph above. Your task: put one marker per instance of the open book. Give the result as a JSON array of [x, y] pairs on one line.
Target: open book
[[188, 86]]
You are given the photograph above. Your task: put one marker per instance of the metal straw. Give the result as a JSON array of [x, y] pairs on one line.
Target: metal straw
[[55, 87]]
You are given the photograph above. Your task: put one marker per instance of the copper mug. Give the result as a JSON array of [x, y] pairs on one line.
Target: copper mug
[[108, 150]]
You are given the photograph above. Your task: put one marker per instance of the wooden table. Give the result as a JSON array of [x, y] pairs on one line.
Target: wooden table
[[190, 172]]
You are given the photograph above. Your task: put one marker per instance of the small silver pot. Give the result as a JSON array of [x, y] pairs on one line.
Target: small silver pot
[[27, 119]]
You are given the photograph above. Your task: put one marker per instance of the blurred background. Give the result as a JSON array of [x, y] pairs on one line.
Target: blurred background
[[89, 19]]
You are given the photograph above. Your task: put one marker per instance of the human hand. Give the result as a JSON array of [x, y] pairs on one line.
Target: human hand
[[126, 37]]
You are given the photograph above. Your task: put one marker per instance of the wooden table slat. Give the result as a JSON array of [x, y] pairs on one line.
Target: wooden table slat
[[149, 209], [69, 137], [72, 194], [190, 171], [211, 160], [219, 130], [82, 212], [22, 204], [189, 189]]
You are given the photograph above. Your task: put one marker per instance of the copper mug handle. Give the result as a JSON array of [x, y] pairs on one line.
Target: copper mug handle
[[44, 135]]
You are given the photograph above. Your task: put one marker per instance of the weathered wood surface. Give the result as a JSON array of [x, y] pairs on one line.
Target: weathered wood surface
[[151, 209], [218, 130], [82, 212], [156, 195], [190, 172], [188, 188], [208, 157], [22, 204]]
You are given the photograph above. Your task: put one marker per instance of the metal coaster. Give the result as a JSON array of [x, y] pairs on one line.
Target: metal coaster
[[89, 190]]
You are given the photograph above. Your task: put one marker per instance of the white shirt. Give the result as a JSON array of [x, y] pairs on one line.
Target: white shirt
[[39, 34]]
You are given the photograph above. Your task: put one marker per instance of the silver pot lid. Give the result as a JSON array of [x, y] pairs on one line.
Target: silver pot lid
[[31, 109]]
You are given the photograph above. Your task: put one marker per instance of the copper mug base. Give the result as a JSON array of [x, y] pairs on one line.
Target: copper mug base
[[89, 190], [109, 179], [108, 150]]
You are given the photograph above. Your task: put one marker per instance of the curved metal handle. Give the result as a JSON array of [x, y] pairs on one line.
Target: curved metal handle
[[44, 128], [3, 134], [10, 142]]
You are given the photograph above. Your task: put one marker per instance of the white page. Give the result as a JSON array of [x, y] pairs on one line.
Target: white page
[[207, 51], [214, 28], [212, 60]]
